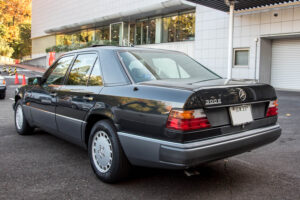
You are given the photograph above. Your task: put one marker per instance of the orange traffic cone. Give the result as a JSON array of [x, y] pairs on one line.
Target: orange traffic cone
[[17, 79], [24, 80]]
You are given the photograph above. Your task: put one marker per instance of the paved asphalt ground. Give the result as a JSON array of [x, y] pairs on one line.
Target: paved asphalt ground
[[41, 166]]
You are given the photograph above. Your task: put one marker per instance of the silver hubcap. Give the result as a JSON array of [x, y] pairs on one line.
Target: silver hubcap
[[19, 117], [102, 151]]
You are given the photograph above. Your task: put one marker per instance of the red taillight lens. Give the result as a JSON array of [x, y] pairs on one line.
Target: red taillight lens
[[187, 120], [273, 109]]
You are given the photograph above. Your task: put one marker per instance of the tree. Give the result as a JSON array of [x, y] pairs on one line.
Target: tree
[[15, 19], [5, 49], [22, 46]]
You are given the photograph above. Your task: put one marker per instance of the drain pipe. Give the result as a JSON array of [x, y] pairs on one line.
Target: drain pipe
[[255, 64], [231, 4]]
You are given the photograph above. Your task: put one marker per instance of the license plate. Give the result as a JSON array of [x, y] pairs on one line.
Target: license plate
[[240, 115]]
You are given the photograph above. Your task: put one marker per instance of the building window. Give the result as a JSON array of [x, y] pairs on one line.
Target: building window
[[145, 32], [60, 39], [186, 27], [171, 28], [79, 37], [241, 57], [102, 34], [131, 33], [138, 33], [179, 28], [151, 31], [116, 33], [86, 36]]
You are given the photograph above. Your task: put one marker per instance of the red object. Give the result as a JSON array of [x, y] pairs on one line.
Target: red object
[[188, 124], [187, 120], [51, 58], [17, 61], [273, 109], [24, 80], [17, 79]]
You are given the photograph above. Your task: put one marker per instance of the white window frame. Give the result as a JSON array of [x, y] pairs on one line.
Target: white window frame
[[234, 55]]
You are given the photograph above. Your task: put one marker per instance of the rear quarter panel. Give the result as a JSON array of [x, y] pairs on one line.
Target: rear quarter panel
[[140, 110]]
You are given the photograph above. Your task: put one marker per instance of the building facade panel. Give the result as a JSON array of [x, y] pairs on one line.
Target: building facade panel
[[254, 31], [40, 44], [49, 14]]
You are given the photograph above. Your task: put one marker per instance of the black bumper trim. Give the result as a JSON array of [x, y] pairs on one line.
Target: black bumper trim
[[149, 152], [195, 156]]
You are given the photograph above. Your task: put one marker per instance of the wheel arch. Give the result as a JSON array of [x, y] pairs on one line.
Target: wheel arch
[[17, 98], [90, 121]]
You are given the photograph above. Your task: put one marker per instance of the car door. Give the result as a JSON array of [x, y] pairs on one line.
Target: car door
[[77, 96], [43, 97]]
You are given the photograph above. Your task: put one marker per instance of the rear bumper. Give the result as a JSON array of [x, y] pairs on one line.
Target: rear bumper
[[149, 152]]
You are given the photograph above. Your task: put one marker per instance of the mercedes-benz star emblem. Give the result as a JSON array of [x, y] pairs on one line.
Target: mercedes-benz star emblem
[[242, 94]]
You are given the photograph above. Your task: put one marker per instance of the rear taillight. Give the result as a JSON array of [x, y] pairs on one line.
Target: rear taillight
[[272, 109], [187, 120]]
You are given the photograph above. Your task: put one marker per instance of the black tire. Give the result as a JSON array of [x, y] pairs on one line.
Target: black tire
[[25, 128], [119, 166], [2, 96]]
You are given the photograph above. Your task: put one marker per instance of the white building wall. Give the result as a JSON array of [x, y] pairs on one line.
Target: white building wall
[[211, 39], [212, 36], [50, 14]]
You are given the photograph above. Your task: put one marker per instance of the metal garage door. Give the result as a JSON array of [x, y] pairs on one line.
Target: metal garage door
[[285, 71]]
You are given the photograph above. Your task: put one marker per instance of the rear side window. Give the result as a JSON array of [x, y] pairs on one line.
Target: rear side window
[[96, 76], [59, 70], [113, 72], [81, 69]]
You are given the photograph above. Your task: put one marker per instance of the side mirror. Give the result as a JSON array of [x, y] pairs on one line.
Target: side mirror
[[35, 80]]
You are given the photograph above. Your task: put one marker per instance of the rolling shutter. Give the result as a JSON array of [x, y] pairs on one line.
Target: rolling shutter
[[285, 71]]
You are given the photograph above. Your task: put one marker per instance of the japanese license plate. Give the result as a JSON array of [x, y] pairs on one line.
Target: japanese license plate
[[240, 115]]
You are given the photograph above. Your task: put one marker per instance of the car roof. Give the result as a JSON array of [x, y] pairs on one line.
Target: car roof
[[118, 48]]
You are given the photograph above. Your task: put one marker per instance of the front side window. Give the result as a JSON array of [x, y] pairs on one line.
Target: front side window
[[58, 71], [81, 69], [164, 65]]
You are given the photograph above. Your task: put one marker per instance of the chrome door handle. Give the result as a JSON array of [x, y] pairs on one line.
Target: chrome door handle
[[53, 94], [88, 98]]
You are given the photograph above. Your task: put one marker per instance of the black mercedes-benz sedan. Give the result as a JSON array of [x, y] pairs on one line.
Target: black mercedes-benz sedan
[[146, 107]]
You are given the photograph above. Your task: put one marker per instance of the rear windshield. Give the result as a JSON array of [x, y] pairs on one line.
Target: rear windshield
[[163, 65]]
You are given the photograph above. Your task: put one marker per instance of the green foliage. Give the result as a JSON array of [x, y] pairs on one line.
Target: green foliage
[[66, 48], [15, 19], [5, 49], [22, 46]]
